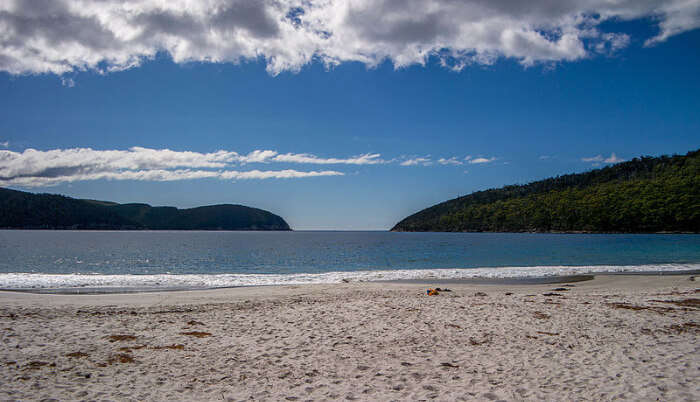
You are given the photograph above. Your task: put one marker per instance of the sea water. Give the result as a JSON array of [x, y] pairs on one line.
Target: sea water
[[186, 259]]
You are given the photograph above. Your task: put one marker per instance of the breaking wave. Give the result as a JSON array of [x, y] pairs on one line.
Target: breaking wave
[[203, 281]]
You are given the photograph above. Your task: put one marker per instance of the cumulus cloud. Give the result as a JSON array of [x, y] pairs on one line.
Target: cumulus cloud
[[481, 160], [598, 159], [418, 161], [62, 36], [5, 144], [39, 168]]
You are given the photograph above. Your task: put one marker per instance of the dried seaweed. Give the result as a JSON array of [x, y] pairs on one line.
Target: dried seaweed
[[541, 316], [121, 338], [474, 342], [171, 347], [120, 358], [548, 333], [197, 334], [681, 303], [626, 306], [77, 355], [690, 327], [36, 365]]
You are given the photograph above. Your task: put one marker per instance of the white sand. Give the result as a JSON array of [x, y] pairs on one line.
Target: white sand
[[365, 341]]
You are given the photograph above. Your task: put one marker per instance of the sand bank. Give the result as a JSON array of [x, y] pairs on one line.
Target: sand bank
[[629, 337]]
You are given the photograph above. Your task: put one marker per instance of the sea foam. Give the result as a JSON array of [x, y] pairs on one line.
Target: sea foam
[[200, 281]]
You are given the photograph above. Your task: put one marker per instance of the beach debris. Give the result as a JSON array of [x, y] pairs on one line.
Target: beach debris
[[77, 355], [692, 279], [474, 342], [432, 292], [36, 365], [120, 358], [448, 364], [540, 315], [197, 334], [121, 338], [548, 333], [171, 347], [480, 294], [449, 324], [552, 294], [656, 309], [130, 348], [345, 280], [560, 290], [509, 293], [685, 327], [681, 303], [443, 290], [406, 364], [193, 322]]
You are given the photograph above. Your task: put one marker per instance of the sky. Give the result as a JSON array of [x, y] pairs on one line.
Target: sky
[[337, 115]]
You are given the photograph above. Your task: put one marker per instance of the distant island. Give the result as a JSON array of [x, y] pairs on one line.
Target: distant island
[[22, 210], [644, 195]]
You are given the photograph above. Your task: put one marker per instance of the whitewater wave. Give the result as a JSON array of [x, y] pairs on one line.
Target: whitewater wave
[[200, 281]]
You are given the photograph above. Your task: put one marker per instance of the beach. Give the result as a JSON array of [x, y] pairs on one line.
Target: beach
[[629, 337]]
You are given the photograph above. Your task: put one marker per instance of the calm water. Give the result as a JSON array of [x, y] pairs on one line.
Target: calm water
[[87, 258]]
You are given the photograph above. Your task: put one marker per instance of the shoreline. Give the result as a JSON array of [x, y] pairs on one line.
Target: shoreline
[[628, 337], [552, 279]]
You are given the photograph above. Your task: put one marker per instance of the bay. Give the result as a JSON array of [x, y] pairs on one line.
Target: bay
[[210, 259]]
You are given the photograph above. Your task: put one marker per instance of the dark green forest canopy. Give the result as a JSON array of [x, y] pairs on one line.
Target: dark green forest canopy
[[21, 210], [644, 195]]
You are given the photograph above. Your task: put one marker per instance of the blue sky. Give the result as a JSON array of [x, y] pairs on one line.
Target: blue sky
[[362, 136]]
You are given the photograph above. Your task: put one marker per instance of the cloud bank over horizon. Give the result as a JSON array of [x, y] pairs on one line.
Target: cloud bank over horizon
[[36, 168], [61, 36]]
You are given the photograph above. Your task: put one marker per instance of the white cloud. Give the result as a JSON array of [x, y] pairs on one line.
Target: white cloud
[[67, 82], [61, 36], [5, 144], [450, 161], [163, 175], [482, 160], [38, 168], [545, 157], [365, 159], [416, 162], [598, 159]]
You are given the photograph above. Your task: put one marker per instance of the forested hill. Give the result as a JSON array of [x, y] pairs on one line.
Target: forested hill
[[647, 194], [21, 210]]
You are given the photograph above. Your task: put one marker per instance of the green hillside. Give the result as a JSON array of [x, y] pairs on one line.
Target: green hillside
[[648, 194], [21, 210]]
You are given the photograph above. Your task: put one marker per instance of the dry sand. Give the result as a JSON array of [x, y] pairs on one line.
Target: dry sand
[[615, 337]]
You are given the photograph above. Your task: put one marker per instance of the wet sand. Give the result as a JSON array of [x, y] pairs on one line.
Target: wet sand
[[613, 337]]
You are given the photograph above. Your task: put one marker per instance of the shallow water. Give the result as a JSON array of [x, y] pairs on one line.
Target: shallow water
[[211, 259]]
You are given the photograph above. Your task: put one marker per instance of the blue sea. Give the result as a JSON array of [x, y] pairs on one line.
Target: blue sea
[[185, 259]]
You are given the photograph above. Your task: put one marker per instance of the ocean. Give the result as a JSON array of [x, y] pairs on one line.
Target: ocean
[[193, 260]]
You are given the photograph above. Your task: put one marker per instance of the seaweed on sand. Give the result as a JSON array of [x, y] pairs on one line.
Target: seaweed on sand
[[121, 338], [171, 347], [626, 306], [120, 358], [77, 355], [197, 334]]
